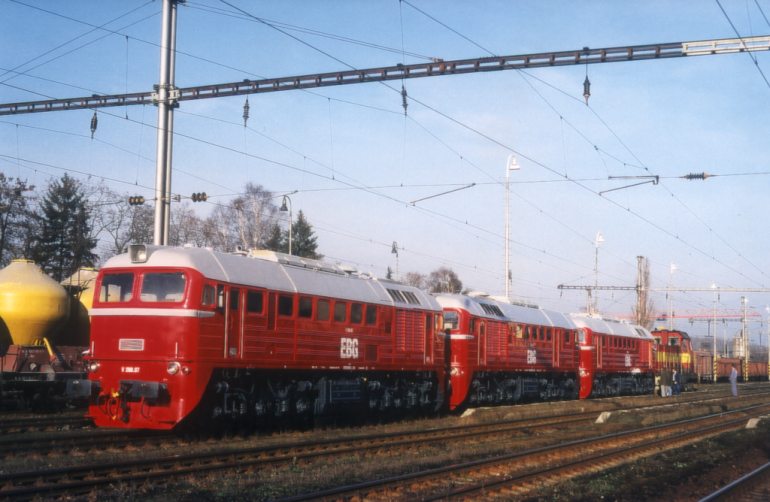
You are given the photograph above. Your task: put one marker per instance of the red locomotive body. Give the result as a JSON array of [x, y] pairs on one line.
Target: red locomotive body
[[187, 333], [615, 357], [504, 353]]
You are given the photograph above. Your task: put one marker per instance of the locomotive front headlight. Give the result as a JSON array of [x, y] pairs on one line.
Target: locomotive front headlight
[[93, 366], [173, 368]]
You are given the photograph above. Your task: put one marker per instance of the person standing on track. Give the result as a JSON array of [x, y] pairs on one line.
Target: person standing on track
[[734, 381], [665, 382]]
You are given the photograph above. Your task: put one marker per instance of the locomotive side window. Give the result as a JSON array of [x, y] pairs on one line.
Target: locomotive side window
[[209, 295], [285, 305], [234, 295], [305, 307], [356, 313], [371, 315], [163, 287], [116, 288], [340, 309], [254, 302], [322, 310]]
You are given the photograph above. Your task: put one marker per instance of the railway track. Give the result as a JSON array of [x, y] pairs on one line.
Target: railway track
[[43, 423], [80, 479], [512, 475], [754, 486], [67, 441]]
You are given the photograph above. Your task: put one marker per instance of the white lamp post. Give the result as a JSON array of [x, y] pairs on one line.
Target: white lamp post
[[285, 208], [597, 242], [512, 165]]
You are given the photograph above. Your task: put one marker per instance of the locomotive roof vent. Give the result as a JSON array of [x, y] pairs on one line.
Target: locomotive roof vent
[[137, 253], [348, 269]]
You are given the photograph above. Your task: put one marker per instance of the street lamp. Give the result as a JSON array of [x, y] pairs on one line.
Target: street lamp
[[284, 208]]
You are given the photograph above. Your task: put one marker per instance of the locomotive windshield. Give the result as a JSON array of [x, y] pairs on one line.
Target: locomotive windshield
[[163, 287], [451, 320], [116, 287]]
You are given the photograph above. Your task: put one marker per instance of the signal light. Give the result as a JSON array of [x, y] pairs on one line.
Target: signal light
[[199, 197], [136, 200]]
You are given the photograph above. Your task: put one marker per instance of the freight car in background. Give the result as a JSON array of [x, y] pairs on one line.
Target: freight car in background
[[704, 368], [43, 334]]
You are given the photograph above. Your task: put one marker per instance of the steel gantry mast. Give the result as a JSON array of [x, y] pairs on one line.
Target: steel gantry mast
[[167, 96]]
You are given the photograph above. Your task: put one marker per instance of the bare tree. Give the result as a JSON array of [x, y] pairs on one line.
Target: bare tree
[[246, 221], [416, 279], [444, 280], [186, 227], [117, 222]]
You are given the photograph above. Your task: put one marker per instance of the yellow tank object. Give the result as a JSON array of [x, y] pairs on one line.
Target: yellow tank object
[[32, 305], [80, 286]]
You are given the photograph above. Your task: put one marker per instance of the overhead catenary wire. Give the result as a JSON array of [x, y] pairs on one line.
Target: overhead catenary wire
[[565, 180]]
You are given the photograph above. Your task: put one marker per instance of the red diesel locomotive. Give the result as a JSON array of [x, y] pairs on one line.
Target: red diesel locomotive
[[503, 352], [191, 335], [260, 337], [616, 357]]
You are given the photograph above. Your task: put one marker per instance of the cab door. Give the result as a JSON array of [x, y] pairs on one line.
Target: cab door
[[233, 323], [482, 343]]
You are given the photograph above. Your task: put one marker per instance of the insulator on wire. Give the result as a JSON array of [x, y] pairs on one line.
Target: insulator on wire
[[245, 112], [696, 176], [403, 98], [586, 89], [94, 122]]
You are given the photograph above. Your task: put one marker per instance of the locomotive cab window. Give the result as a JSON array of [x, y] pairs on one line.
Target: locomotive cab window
[[116, 288], [162, 287]]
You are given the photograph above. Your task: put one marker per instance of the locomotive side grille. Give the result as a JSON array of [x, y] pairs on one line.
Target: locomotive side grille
[[131, 344]]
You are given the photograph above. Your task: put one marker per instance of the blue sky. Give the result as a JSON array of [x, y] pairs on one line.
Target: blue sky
[[665, 117]]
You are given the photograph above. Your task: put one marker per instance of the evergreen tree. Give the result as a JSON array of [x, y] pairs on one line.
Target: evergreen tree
[[303, 240], [277, 241], [65, 242]]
